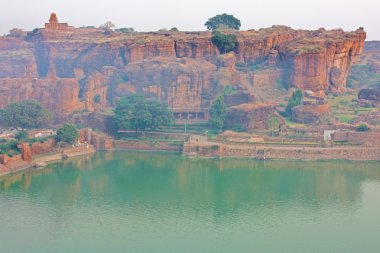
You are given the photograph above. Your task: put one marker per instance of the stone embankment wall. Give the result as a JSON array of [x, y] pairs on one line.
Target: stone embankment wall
[[296, 153], [369, 139], [147, 145]]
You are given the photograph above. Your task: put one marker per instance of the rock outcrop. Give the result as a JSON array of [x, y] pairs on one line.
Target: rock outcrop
[[26, 152], [323, 62], [72, 70], [251, 116], [370, 94], [312, 114]]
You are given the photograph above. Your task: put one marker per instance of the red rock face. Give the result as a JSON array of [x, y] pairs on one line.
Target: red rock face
[[323, 64], [251, 116], [311, 114], [26, 153], [84, 69], [38, 148], [180, 82]]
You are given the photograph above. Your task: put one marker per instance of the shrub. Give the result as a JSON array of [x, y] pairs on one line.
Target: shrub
[[230, 90], [96, 99], [125, 30], [363, 127], [224, 42]]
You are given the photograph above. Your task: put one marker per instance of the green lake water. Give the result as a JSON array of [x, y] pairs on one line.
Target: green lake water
[[157, 202]]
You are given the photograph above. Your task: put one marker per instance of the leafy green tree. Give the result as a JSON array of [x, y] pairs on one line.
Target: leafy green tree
[[107, 26], [124, 113], [218, 113], [25, 114], [224, 42], [223, 21], [137, 113], [68, 133], [21, 135], [174, 29], [294, 101], [142, 117]]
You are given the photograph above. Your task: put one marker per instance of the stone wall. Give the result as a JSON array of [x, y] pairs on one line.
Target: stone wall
[[39, 148], [371, 139], [147, 145], [296, 153]]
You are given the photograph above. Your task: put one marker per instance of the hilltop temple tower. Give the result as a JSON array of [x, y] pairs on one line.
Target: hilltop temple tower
[[54, 25]]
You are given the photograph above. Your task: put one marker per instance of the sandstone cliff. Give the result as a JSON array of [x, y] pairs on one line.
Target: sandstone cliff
[[86, 69]]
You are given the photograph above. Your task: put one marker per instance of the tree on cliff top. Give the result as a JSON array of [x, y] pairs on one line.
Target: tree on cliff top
[[107, 26], [25, 114], [223, 21], [218, 113], [137, 113], [68, 133]]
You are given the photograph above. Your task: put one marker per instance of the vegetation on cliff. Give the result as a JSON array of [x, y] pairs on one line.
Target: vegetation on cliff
[[25, 114], [218, 113], [8, 147], [294, 101], [224, 42], [137, 113]]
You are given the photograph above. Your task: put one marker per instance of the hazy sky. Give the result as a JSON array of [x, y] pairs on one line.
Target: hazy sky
[[151, 15]]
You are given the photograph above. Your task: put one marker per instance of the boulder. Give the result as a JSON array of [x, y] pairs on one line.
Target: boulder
[[312, 114], [370, 94], [252, 116]]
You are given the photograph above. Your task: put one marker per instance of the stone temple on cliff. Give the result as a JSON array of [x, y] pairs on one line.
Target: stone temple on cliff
[[54, 25]]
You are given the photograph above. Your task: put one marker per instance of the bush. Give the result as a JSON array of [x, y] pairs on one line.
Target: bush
[[125, 30], [362, 127], [9, 147], [230, 90], [224, 42], [96, 99], [68, 133]]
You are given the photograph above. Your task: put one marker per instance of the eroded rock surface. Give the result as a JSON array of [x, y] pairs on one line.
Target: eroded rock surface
[[72, 70]]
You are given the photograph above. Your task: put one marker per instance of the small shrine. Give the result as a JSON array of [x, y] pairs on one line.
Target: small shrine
[[54, 25]]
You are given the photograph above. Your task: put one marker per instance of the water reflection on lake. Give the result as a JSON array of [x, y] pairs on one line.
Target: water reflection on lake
[[140, 202]]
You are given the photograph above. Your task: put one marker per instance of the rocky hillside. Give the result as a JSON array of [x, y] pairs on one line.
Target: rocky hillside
[[366, 72], [87, 68]]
